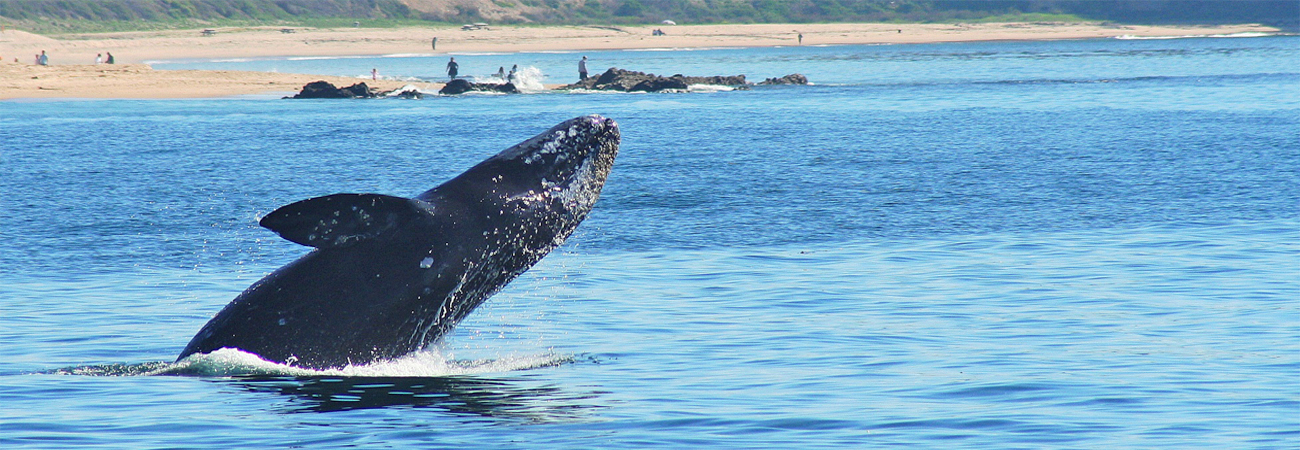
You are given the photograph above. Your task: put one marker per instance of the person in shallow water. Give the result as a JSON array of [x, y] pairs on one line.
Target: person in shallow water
[[452, 68]]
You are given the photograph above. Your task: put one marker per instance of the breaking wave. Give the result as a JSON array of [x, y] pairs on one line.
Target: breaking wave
[[527, 79], [1246, 34]]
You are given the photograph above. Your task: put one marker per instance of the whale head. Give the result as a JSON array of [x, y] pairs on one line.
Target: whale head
[[565, 167]]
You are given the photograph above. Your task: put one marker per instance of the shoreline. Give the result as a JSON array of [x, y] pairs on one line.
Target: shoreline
[[71, 73]]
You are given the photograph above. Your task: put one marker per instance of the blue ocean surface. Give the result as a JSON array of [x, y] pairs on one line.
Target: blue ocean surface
[[1068, 244]]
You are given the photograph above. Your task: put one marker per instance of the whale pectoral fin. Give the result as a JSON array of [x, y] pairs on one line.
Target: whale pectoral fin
[[340, 220]]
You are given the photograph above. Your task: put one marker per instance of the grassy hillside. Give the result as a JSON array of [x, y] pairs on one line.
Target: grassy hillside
[[55, 16]]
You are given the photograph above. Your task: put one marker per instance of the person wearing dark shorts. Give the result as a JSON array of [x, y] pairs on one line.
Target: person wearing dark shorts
[[452, 68]]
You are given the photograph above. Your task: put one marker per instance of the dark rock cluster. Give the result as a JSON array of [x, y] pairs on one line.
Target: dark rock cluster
[[616, 79], [793, 78], [461, 86], [325, 89], [410, 94]]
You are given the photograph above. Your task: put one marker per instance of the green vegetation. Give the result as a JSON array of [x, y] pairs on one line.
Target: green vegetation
[[70, 16]]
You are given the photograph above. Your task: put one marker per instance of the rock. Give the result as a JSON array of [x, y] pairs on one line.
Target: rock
[[410, 94], [660, 83], [461, 86], [325, 89], [456, 87], [616, 79], [734, 80], [793, 78], [359, 90]]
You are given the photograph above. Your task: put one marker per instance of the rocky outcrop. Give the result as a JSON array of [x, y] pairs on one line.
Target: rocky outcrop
[[616, 79], [410, 94], [325, 89], [793, 78], [461, 86]]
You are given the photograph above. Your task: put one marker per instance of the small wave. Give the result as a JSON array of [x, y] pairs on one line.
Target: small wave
[[406, 79], [709, 88], [322, 58], [228, 362], [409, 55], [407, 88], [660, 104], [476, 53], [673, 49], [1247, 34], [592, 91]]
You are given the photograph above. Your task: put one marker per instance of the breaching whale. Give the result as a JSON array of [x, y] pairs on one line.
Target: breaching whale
[[391, 275]]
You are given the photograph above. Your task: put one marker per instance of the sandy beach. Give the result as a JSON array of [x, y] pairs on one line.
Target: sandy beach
[[72, 74]]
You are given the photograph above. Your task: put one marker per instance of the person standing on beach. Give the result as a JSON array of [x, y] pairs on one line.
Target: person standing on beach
[[582, 68], [43, 60], [800, 38], [452, 68], [374, 74]]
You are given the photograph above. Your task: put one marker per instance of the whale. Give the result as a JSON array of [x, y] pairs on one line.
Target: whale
[[389, 275]]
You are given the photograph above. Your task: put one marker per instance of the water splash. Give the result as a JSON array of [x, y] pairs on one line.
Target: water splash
[[229, 362], [527, 79]]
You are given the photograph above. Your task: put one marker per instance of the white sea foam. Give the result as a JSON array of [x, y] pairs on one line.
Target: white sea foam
[[409, 55], [411, 87], [476, 53], [709, 88], [228, 362], [1191, 36], [673, 49], [529, 79], [323, 58]]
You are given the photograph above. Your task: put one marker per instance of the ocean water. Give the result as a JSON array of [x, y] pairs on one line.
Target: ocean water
[[1072, 244]]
